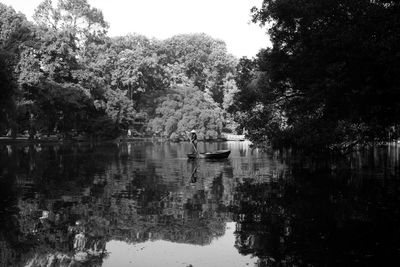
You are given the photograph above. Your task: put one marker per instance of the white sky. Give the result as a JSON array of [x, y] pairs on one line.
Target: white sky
[[228, 20]]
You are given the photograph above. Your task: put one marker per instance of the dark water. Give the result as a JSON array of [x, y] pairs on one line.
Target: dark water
[[145, 204]]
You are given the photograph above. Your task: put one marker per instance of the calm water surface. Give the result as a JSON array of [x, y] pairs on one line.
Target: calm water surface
[[145, 204]]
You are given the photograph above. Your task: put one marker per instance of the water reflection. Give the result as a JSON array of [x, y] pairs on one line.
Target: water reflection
[[335, 217], [82, 205], [62, 204]]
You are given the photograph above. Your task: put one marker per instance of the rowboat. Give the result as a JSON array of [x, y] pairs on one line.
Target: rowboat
[[219, 154]]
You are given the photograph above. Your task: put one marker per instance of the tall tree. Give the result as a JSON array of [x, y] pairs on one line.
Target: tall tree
[[333, 72], [52, 68], [137, 68], [203, 59], [186, 108], [84, 23], [15, 30], [8, 87]]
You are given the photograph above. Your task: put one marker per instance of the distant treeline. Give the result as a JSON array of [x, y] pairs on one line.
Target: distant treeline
[[61, 74]]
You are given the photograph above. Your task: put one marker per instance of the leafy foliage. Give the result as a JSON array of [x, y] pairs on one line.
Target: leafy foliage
[[7, 90], [70, 77], [332, 73], [136, 68], [14, 31], [204, 60], [85, 23], [187, 108], [119, 108]]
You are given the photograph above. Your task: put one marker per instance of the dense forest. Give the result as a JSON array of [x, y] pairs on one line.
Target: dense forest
[[329, 81], [62, 74]]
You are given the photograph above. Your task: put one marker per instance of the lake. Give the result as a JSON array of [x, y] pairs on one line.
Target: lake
[[146, 204]]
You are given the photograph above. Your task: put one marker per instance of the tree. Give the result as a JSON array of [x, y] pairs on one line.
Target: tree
[[246, 75], [63, 73], [53, 69], [84, 23], [14, 31], [8, 88], [47, 81], [119, 108], [203, 59], [332, 74], [185, 108], [137, 69]]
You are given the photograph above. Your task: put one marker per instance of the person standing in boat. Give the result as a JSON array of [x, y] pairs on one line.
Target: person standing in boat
[[193, 139]]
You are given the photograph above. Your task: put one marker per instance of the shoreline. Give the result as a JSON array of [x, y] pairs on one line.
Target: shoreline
[[55, 140]]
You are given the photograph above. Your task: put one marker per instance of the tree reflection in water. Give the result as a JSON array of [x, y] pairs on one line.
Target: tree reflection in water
[[61, 204], [325, 217]]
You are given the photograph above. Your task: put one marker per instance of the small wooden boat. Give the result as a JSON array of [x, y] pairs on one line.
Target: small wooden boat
[[219, 154]]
